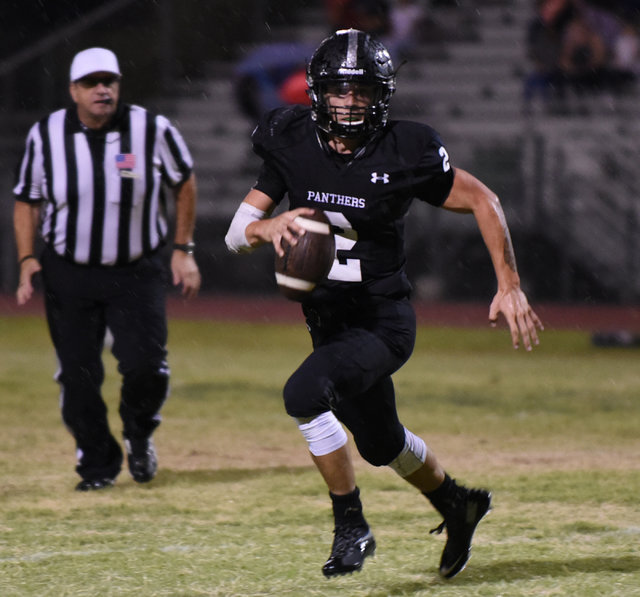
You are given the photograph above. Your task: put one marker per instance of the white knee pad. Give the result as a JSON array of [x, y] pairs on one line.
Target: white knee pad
[[412, 456], [323, 433]]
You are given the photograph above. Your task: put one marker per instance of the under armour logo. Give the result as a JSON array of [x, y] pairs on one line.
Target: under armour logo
[[375, 178]]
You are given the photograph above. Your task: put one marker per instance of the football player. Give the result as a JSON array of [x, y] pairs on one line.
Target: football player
[[344, 156]]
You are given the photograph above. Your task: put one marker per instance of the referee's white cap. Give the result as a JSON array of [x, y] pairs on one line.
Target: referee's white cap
[[93, 60]]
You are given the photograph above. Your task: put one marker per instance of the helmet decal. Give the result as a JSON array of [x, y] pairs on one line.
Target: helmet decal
[[352, 49]]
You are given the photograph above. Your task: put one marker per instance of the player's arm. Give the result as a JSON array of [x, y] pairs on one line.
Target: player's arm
[[469, 195], [253, 226], [25, 224]]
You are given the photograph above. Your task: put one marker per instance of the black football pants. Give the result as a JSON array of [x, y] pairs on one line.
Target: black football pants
[[81, 303], [356, 349]]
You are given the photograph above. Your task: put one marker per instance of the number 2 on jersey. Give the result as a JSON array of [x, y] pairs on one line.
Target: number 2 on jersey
[[446, 164], [346, 238]]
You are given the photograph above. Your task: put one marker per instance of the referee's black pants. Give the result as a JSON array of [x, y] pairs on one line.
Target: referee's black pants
[[81, 303]]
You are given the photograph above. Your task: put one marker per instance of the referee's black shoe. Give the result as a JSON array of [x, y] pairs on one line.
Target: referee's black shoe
[[461, 519], [142, 459], [351, 545]]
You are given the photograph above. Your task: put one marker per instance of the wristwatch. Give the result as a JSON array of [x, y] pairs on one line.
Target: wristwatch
[[188, 248]]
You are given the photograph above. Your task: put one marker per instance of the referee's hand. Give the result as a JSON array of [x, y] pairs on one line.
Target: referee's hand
[[185, 271], [28, 268]]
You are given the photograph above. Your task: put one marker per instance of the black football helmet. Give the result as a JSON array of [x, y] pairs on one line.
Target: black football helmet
[[351, 56]]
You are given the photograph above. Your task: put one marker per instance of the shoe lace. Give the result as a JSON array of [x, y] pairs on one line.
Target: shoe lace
[[458, 500]]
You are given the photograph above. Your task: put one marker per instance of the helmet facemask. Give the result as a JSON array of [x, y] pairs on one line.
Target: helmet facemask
[[348, 108]]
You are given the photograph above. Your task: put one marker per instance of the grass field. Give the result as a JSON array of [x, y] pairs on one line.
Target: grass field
[[237, 508]]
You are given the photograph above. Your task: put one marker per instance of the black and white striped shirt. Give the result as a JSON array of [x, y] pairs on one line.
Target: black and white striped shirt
[[102, 191]]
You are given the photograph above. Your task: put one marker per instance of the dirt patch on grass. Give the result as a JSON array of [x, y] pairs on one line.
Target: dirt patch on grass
[[458, 455]]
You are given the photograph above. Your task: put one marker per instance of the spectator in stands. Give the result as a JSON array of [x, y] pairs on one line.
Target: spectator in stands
[[616, 24], [371, 16], [582, 46], [341, 14], [405, 21], [270, 76], [545, 37], [583, 59], [626, 52]]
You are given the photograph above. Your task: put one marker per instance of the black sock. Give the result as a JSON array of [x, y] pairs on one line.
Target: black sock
[[347, 509], [442, 497]]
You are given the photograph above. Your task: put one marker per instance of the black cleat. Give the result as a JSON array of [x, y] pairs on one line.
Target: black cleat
[[142, 459], [94, 484], [351, 545], [467, 510]]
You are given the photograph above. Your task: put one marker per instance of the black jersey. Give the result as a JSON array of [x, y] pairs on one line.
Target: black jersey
[[365, 194]]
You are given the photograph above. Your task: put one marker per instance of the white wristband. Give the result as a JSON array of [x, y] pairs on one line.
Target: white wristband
[[236, 238]]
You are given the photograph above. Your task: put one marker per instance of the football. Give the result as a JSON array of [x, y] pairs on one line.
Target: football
[[308, 262]]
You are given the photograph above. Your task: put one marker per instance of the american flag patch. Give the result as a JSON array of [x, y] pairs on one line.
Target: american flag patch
[[125, 161]]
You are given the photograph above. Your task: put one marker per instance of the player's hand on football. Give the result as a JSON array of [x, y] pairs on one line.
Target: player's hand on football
[[284, 227], [522, 320]]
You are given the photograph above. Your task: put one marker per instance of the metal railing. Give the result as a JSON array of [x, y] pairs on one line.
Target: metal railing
[[585, 184]]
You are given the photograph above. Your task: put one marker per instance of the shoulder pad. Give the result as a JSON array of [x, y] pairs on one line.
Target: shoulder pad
[[281, 128], [414, 136]]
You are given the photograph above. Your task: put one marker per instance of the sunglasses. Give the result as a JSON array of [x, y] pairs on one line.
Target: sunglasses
[[94, 81]]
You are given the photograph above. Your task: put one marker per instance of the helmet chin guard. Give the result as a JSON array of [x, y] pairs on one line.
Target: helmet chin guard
[[351, 56]]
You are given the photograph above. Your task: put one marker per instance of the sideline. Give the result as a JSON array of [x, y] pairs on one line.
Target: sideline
[[276, 309]]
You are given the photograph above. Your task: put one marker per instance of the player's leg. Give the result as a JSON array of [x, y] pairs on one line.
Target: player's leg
[[462, 509], [353, 539], [77, 327], [310, 395], [327, 442], [336, 469], [136, 316], [382, 440], [348, 358]]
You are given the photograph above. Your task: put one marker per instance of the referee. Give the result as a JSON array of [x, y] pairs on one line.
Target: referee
[[92, 178]]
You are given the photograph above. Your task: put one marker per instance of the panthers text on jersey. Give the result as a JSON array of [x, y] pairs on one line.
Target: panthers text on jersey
[[365, 194]]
